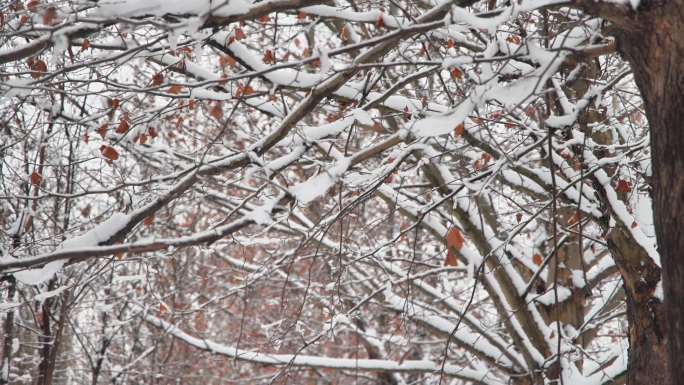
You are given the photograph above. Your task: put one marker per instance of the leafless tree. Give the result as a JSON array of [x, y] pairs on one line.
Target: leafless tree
[[369, 191]]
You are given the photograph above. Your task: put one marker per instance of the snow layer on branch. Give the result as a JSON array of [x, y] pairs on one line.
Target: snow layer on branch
[[444, 124], [327, 130], [303, 360], [38, 276], [462, 15], [415, 311], [368, 16], [262, 214], [49, 294], [100, 233], [293, 78], [318, 185], [509, 94], [130, 8]]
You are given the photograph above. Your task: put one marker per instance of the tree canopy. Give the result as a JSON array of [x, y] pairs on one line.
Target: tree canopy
[[338, 191]]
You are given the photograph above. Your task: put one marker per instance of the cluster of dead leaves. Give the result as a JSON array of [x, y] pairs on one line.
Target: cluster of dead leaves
[[454, 244], [37, 66]]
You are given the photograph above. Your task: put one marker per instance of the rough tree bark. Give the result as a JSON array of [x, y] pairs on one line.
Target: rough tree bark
[[652, 40]]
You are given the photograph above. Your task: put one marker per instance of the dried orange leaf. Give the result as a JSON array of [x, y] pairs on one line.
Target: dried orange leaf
[[268, 57], [36, 178], [226, 60], [157, 79], [175, 89], [85, 45], [537, 259], [513, 39], [153, 132], [38, 66], [451, 259], [623, 186], [50, 16], [102, 130], [109, 152], [122, 128], [239, 34], [344, 33], [32, 5], [216, 111], [148, 221], [454, 239], [379, 22]]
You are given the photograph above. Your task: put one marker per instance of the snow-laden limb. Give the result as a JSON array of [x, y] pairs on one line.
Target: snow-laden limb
[[471, 256], [481, 343], [103, 232], [56, 259], [205, 9], [117, 228], [8, 55], [39, 275], [370, 16], [422, 313], [318, 185], [619, 209], [609, 370], [463, 338], [310, 361], [132, 8], [201, 14], [100, 233], [467, 318]]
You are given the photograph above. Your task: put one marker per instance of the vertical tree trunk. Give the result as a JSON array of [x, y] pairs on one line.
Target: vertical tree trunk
[[648, 334], [654, 45], [9, 334]]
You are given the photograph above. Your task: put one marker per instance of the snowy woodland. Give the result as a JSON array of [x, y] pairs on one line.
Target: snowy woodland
[[387, 192]]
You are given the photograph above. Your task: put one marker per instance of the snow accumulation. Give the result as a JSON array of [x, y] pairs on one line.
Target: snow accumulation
[[131, 8], [318, 185], [38, 276], [262, 214], [480, 376], [94, 237], [508, 94], [443, 124], [368, 16], [99, 233], [49, 294]]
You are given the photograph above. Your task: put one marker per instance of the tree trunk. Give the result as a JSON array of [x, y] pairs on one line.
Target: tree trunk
[[653, 43], [648, 334]]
